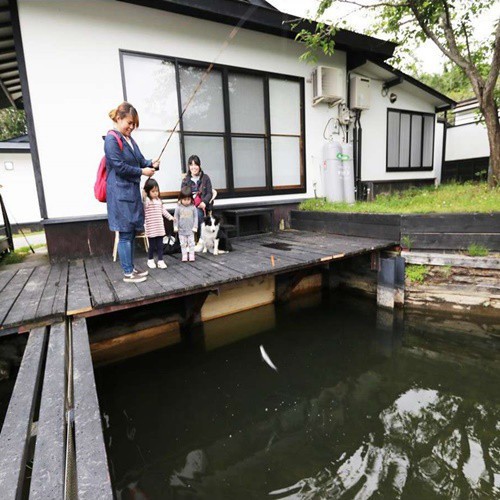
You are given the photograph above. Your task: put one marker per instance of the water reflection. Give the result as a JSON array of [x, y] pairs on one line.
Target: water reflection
[[356, 411], [430, 442]]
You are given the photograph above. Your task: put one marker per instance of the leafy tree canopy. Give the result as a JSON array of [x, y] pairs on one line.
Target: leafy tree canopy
[[12, 123]]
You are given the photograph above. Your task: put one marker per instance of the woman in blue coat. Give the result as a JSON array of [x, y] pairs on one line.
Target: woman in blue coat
[[124, 166]]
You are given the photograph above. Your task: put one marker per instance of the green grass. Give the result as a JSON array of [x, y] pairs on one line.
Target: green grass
[[448, 198], [18, 255], [416, 273], [12, 258], [475, 250]]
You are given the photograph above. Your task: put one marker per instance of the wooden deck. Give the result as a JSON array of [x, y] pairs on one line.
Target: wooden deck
[[46, 294], [57, 451]]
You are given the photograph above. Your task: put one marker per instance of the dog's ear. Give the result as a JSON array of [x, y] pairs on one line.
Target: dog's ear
[[216, 220], [207, 220]]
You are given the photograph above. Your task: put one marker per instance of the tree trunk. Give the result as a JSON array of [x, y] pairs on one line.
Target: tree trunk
[[490, 113]]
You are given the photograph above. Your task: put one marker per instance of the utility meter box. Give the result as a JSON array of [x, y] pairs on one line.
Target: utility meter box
[[328, 85], [359, 92]]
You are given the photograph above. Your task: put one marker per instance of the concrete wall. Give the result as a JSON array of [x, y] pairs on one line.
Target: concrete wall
[[18, 188]]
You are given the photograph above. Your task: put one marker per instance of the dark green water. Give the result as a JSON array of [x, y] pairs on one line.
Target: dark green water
[[363, 405]]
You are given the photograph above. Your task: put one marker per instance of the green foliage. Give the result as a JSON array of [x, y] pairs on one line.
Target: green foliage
[[406, 242], [476, 250], [416, 273], [447, 198], [445, 271], [12, 258], [12, 123], [453, 82]]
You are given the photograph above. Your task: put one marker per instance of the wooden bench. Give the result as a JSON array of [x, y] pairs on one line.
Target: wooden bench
[[69, 457], [264, 218]]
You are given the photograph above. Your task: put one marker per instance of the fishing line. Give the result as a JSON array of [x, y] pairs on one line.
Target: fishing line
[[226, 43]]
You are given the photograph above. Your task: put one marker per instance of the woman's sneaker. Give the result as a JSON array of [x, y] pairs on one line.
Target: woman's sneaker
[[134, 278], [151, 264], [162, 265]]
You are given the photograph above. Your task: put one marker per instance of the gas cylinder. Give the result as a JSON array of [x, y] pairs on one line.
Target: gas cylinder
[[348, 172], [332, 171]]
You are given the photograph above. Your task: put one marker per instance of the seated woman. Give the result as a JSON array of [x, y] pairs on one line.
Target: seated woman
[[201, 187]]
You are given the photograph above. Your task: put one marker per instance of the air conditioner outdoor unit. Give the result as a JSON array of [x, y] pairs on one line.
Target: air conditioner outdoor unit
[[328, 85]]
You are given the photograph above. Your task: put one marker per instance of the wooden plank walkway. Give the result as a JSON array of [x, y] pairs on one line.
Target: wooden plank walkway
[[46, 294], [65, 441]]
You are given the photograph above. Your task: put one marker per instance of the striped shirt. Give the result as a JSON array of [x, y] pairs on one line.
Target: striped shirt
[[154, 211]]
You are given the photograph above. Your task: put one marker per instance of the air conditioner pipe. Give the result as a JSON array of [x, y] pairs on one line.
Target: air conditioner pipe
[[357, 141]]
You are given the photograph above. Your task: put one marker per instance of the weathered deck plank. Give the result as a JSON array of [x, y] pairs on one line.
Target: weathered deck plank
[[12, 292], [92, 471], [15, 435], [47, 479], [53, 301], [101, 290], [5, 277], [26, 304], [78, 292]]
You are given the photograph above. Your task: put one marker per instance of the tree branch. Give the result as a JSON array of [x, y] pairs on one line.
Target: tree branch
[[495, 64]]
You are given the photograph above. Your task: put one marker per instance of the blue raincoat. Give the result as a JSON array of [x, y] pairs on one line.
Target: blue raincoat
[[123, 193]]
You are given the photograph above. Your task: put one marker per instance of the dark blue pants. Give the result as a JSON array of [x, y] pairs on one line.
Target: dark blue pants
[[155, 246]]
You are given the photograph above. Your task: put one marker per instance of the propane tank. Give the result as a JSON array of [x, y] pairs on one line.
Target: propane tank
[[348, 172], [332, 171]]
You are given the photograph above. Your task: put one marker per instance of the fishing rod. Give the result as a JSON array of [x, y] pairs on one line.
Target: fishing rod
[[226, 43]]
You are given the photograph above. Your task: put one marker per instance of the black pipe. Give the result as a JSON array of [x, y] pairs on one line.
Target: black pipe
[[360, 135]]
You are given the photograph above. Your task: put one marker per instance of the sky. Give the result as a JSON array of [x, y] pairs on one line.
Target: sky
[[430, 56]]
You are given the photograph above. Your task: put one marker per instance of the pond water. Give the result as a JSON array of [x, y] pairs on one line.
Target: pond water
[[363, 404]]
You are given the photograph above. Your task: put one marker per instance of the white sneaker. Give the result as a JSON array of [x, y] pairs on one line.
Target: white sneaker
[[162, 265], [151, 264], [133, 278]]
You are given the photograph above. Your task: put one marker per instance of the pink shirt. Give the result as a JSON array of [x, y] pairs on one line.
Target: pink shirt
[[154, 211]]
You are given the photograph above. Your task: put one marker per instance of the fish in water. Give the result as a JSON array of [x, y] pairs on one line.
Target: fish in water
[[267, 359]]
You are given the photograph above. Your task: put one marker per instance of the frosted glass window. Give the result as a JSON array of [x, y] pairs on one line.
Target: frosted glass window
[[285, 153], [169, 176], [404, 141], [246, 103], [211, 153], [393, 140], [416, 141], [284, 102], [249, 163], [206, 111], [428, 141], [152, 89]]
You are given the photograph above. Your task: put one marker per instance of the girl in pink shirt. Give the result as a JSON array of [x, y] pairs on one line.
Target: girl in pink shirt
[[154, 211]]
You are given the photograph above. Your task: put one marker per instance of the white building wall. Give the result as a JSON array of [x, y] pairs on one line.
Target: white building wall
[[18, 188], [374, 136], [71, 51], [467, 141]]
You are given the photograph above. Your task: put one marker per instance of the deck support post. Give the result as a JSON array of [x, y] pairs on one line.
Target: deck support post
[[192, 312], [390, 286], [285, 283]]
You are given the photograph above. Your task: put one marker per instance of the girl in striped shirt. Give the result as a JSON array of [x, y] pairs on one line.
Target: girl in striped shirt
[[154, 211]]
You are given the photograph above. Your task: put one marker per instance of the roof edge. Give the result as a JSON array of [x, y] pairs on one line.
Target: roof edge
[[268, 21], [450, 103]]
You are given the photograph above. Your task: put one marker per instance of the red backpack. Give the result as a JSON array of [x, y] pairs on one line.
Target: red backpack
[[100, 183]]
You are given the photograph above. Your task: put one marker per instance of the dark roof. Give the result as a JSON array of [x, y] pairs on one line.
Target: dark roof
[[10, 83], [399, 74], [265, 18]]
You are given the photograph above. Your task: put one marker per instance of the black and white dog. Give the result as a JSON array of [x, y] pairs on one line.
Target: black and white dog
[[212, 238]]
